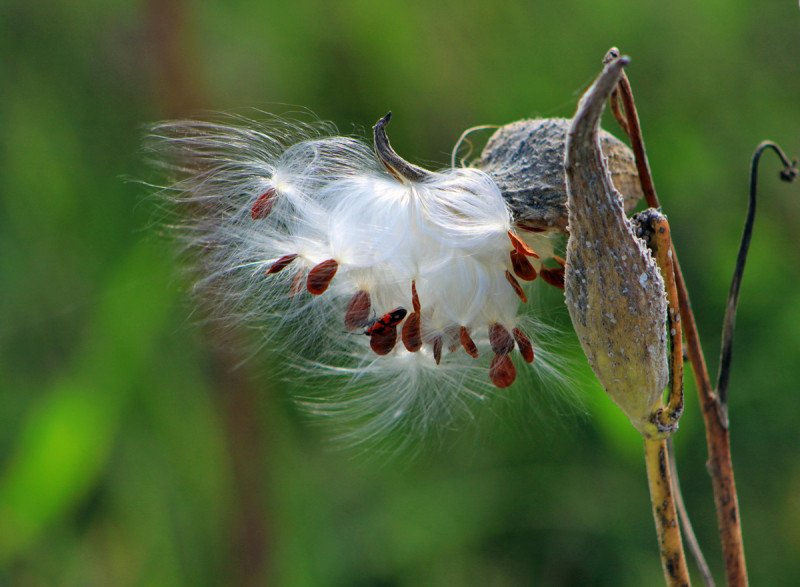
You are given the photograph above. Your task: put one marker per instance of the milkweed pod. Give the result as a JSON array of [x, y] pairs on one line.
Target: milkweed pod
[[526, 160], [614, 290]]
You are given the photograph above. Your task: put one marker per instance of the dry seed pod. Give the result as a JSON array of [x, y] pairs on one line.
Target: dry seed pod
[[614, 289], [526, 160]]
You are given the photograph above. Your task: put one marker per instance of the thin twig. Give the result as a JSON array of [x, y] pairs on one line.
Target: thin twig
[[719, 465], [686, 523], [787, 174], [616, 110], [662, 248], [659, 479], [463, 139]]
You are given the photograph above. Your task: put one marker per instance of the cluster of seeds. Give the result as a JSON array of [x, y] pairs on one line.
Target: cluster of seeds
[[383, 331], [335, 241]]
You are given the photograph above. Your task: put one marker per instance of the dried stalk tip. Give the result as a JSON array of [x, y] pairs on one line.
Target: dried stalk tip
[[614, 289], [401, 169]]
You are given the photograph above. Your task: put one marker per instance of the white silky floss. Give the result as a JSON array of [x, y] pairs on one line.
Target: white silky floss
[[319, 239]]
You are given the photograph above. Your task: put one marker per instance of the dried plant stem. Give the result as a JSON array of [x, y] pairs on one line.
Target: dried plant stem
[[719, 464], [788, 174], [665, 514], [661, 246], [686, 524]]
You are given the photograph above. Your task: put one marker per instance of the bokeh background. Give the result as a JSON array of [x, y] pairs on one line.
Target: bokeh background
[[137, 449]]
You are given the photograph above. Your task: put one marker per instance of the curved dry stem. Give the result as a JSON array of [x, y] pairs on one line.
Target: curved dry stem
[[673, 559], [788, 173], [463, 139]]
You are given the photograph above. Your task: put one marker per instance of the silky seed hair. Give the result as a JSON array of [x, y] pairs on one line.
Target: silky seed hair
[[402, 285]]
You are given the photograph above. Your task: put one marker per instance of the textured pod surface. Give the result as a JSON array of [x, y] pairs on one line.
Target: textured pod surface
[[614, 289], [526, 160]]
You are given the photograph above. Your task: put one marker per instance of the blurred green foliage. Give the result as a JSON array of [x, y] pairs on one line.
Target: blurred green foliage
[[133, 453]]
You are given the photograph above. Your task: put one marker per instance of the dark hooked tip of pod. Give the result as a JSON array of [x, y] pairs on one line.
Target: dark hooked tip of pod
[[526, 160], [401, 169]]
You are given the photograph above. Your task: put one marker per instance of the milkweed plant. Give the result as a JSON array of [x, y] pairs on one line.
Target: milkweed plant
[[410, 286]]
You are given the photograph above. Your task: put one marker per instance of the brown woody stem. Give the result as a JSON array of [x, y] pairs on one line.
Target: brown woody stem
[[673, 560], [719, 465]]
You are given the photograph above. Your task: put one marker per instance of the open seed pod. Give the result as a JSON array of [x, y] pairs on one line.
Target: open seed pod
[[526, 160]]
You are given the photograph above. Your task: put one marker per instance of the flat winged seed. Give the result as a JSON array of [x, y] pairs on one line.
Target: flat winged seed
[[517, 287], [415, 297], [319, 278], [554, 277], [530, 228], [501, 340], [297, 283], [281, 263], [524, 345], [357, 313], [468, 343], [453, 337], [522, 267], [412, 333], [382, 341], [502, 371], [437, 349], [521, 246], [263, 205]]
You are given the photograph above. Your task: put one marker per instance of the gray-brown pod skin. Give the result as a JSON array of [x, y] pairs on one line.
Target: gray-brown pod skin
[[613, 288], [526, 160]]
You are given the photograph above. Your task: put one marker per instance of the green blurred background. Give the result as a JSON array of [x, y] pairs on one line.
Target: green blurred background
[[136, 450]]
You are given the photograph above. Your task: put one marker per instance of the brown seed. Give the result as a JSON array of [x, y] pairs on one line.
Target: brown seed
[[414, 297], [521, 246], [524, 345], [554, 277], [412, 333], [468, 343], [522, 267], [517, 287], [382, 341], [500, 338], [560, 260], [319, 278], [263, 205], [529, 228], [437, 349], [297, 283], [453, 338], [281, 263], [502, 371], [357, 313]]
